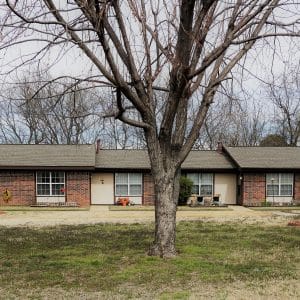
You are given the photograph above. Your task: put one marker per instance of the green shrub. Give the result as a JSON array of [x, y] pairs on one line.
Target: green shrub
[[265, 203], [185, 191]]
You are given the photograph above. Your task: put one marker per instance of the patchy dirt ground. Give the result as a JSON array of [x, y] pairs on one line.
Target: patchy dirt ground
[[231, 291], [235, 290], [102, 214]]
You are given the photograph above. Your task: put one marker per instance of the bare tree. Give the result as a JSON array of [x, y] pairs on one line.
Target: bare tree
[[118, 135], [36, 110], [58, 113], [115, 134], [285, 94], [234, 122], [185, 48]]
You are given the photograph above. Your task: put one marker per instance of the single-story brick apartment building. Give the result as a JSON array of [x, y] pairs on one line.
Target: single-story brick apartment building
[[36, 174]]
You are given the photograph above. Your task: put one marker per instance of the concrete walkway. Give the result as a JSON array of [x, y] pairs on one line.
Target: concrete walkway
[[102, 214], [239, 208]]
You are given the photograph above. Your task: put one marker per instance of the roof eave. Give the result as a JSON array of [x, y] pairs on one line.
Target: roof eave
[[71, 168], [269, 169]]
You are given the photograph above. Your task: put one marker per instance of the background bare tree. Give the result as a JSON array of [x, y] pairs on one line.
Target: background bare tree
[[39, 110], [57, 113], [284, 92], [117, 135], [185, 48], [233, 120]]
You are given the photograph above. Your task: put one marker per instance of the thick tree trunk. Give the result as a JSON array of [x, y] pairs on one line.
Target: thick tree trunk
[[167, 191]]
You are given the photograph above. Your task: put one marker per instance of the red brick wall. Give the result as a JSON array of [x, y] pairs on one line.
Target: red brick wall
[[21, 184], [149, 195], [297, 188], [78, 188], [254, 189]]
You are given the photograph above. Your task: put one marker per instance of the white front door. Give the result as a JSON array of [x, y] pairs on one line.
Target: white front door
[[102, 188], [225, 186]]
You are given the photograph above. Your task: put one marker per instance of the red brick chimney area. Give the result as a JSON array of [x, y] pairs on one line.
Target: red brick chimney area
[[220, 147], [97, 146]]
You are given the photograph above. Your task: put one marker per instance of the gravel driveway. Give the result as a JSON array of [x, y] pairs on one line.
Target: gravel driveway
[[102, 214]]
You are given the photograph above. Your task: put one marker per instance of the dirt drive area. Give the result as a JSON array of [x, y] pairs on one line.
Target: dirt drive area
[[274, 290], [102, 214]]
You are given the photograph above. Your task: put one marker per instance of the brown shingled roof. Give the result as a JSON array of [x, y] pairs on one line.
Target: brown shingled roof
[[83, 157], [37, 156], [138, 159], [265, 157], [206, 160]]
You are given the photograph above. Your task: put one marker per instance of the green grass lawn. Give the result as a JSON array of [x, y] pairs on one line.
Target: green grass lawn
[[112, 258]]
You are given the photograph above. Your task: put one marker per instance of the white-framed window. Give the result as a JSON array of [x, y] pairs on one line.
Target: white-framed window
[[202, 183], [128, 184], [50, 183], [280, 184]]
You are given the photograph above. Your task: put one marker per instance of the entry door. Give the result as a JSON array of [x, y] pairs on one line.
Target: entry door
[[102, 188]]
